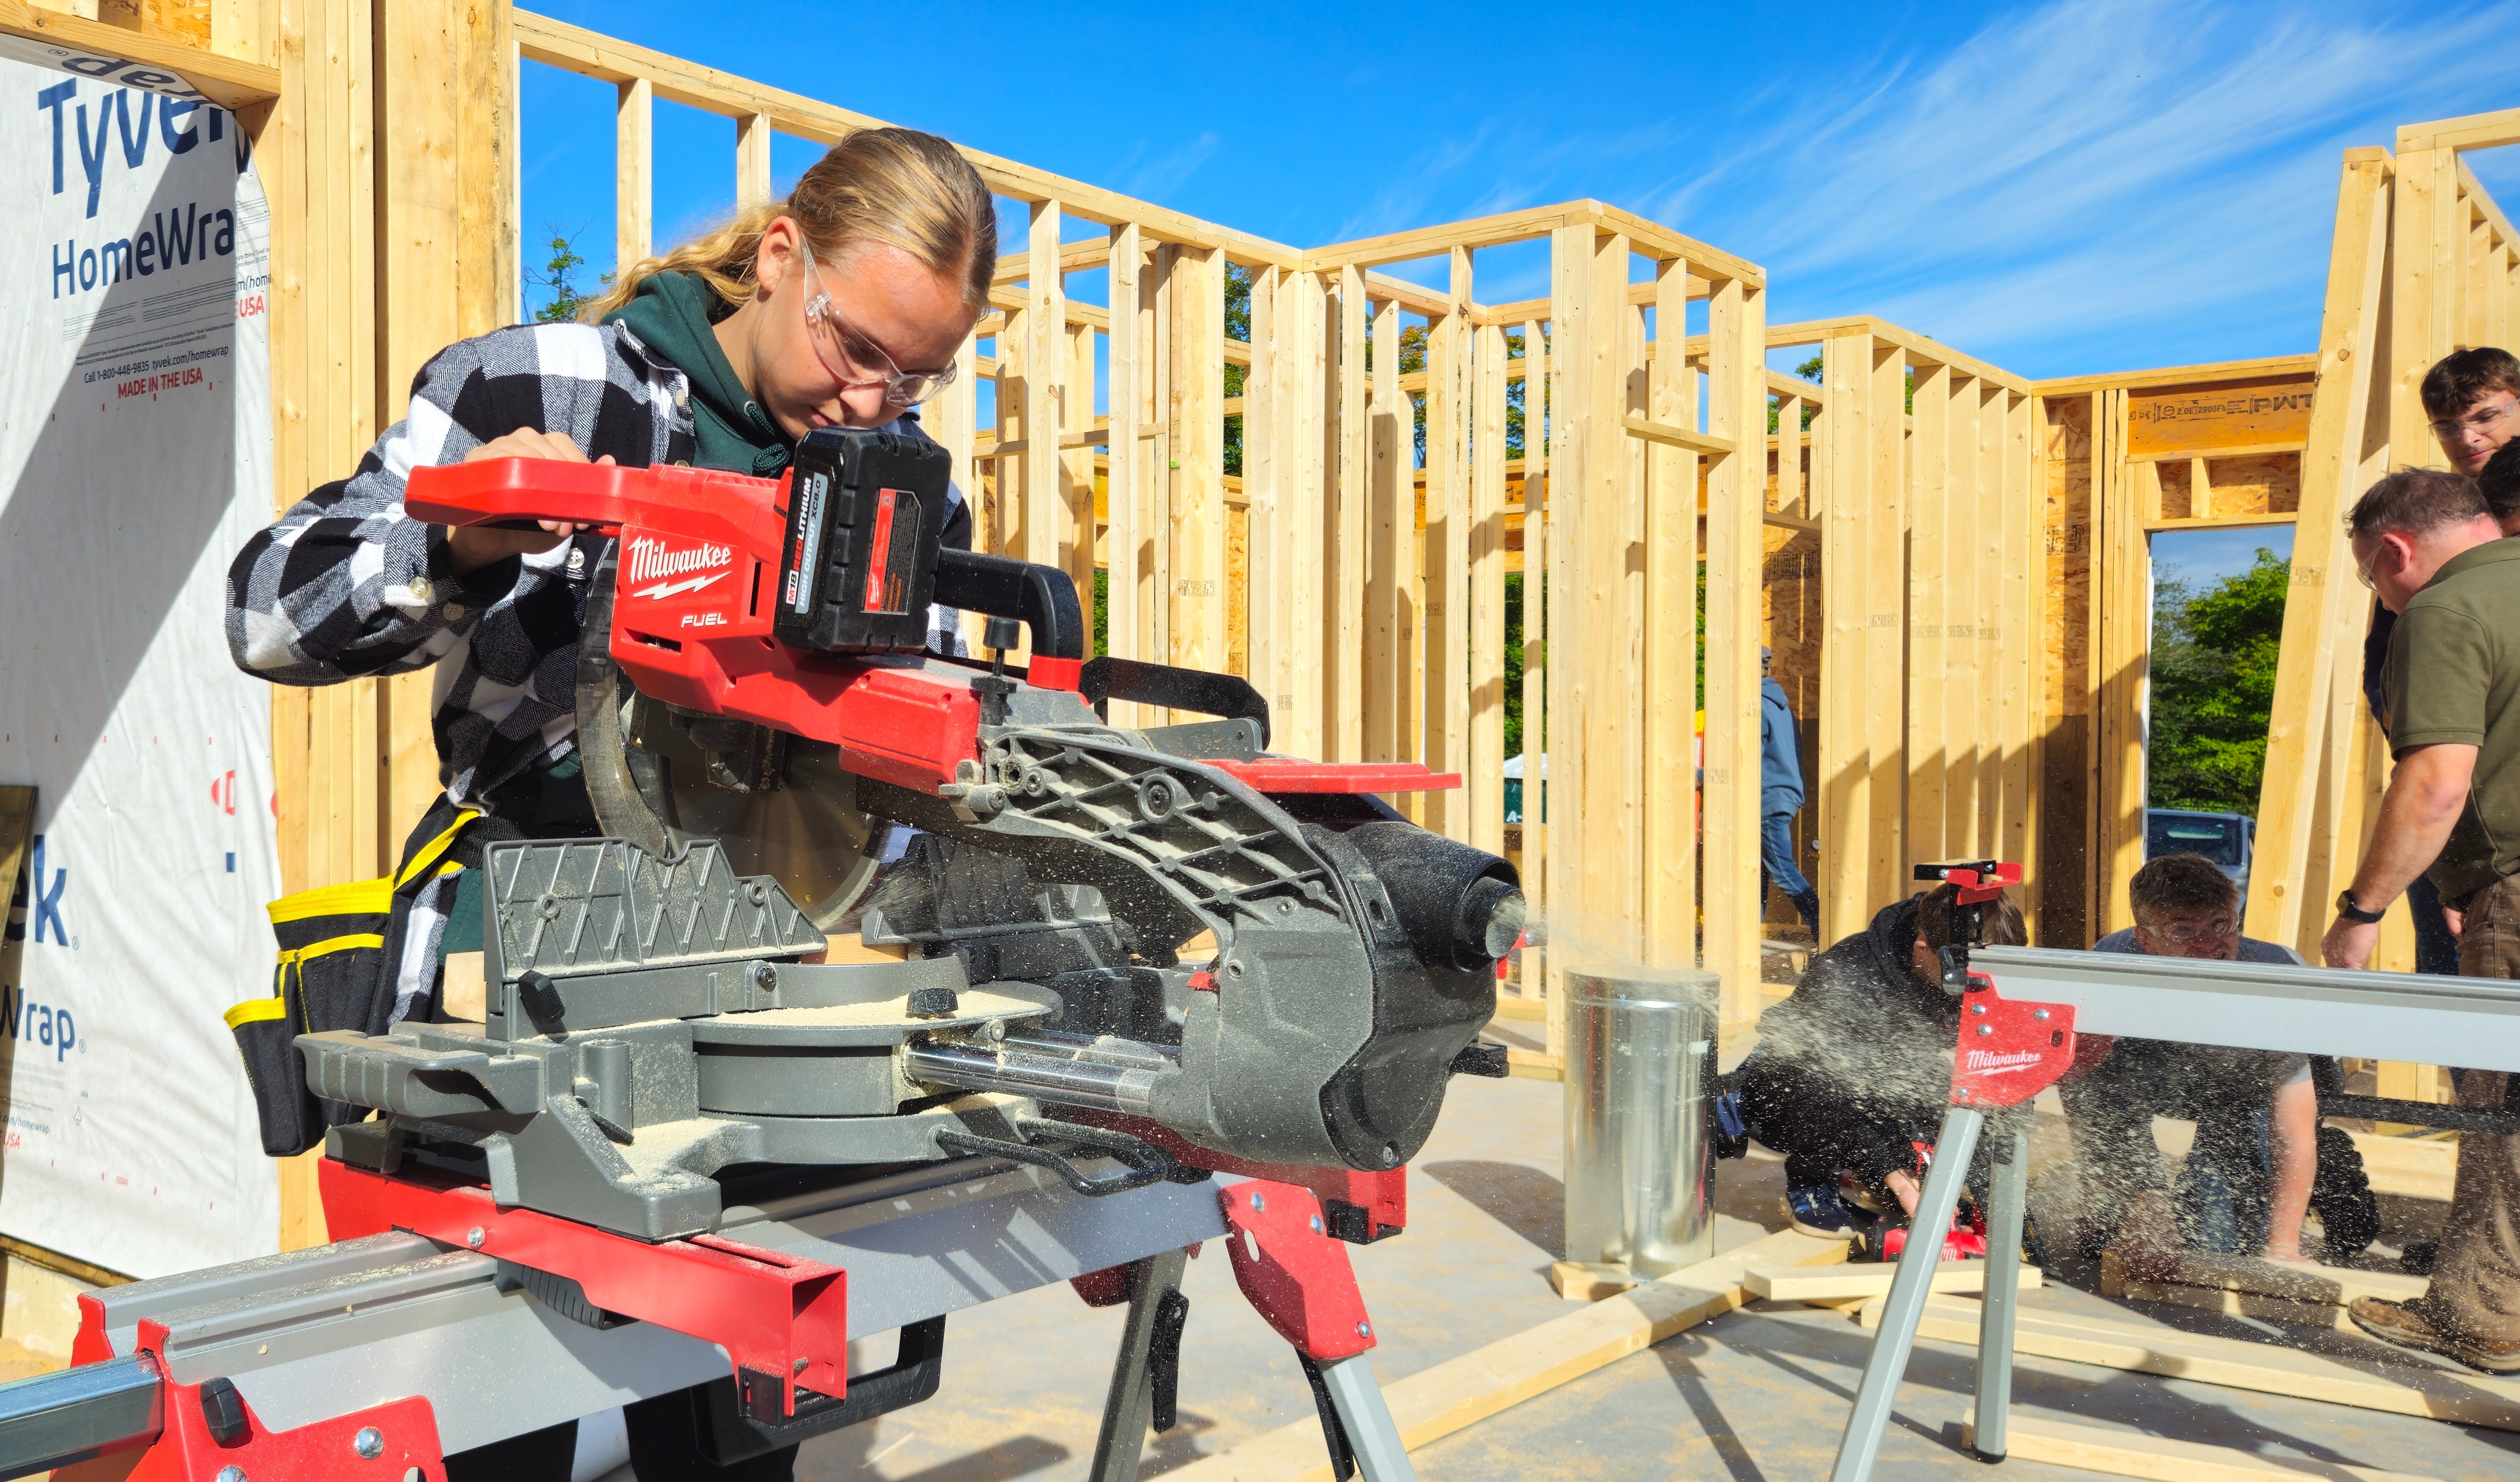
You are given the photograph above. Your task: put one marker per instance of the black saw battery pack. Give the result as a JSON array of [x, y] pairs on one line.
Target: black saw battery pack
[[866, 515]]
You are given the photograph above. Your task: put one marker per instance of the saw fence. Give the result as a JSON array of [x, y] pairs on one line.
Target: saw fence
[[1949, 560]]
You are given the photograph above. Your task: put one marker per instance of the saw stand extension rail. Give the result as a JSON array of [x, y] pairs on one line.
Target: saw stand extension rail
[[2011, 1051]]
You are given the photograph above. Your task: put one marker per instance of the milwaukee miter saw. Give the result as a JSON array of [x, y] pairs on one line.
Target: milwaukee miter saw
[[1157, 986]]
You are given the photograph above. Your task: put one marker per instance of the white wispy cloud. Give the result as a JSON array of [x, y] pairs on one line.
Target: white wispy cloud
[[2085, 178], [1156, 177], [2094, 173]]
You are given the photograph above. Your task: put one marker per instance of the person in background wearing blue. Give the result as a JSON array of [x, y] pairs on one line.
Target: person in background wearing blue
[[1781, 795]]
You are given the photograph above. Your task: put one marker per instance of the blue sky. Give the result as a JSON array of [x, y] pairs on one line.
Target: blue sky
[[2084, 186]]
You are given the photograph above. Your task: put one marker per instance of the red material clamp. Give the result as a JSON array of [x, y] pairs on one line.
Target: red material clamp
[[397, 1439], [781, 1318], [1979, 881], [1292, 1271]]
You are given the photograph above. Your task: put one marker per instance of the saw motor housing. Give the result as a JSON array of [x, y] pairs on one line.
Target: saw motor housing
[[1164, 927]]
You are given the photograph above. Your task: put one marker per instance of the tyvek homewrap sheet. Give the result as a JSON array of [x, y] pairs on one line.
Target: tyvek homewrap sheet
[[135, 458]]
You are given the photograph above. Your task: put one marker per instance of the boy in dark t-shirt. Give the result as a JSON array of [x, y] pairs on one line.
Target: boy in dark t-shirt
[[2248, 1178]]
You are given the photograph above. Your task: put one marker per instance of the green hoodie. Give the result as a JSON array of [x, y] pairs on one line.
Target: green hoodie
[[672, 314]]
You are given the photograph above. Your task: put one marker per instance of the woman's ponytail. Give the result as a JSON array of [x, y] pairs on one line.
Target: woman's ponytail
[[894, 186]]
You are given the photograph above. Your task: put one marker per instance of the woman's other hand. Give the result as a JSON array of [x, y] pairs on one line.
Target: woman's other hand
[[473, 546]]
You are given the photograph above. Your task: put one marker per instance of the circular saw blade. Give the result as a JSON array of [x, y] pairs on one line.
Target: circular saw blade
[[807, 834], [802, 829]]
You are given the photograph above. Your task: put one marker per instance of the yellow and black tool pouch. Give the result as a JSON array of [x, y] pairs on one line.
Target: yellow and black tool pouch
[[339, 949]]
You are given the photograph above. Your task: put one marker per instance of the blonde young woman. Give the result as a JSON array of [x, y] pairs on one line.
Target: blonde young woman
[[840, 307]]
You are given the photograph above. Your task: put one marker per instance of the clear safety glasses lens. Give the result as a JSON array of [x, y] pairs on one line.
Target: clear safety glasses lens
[[853, 359]]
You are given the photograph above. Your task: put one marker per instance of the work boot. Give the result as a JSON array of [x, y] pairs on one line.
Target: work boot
[[2402, 1324]]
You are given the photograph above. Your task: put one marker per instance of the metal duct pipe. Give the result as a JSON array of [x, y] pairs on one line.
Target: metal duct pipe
[[54, 1419], [1640, 1063], [1054, 1076]]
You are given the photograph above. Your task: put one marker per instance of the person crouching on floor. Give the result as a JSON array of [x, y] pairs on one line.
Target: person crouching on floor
[[2249, 1177], [1853, 1072]]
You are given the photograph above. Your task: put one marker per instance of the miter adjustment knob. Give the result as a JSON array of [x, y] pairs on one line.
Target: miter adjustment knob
[[934, 1003], [223, 1411]]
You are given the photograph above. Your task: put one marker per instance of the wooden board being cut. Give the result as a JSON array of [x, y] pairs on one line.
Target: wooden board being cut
[[2125, 1454], [2333, 1286], [1589, 1281], [1436, 1402], [2241, 1304], [1846, 1283], [2374, 1378]]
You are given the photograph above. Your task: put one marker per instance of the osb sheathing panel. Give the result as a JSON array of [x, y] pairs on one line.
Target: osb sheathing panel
[[1237, 590], [1792, 624], [2068, 453], [2064, 785]]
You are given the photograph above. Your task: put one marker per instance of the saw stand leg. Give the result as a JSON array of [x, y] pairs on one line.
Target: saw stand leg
[[1298, 1277], [1144, 1376], [2006, 1207], [1905, 1306], [1368, 1438]]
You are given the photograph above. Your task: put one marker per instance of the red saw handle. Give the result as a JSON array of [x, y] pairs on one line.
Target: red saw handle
[[518, 491]]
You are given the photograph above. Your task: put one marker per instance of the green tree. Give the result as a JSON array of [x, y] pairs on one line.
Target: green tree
[[1513, 589], [558, 279], [1809, 371], [1102, 612], [1238, 326], [2214, 687]]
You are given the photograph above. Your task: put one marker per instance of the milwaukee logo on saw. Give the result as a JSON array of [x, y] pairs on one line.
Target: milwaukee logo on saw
[[1985, 1060], [650, 560]]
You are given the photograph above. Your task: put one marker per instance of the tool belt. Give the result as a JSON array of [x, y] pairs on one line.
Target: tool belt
[[340, 951], [350, 954]]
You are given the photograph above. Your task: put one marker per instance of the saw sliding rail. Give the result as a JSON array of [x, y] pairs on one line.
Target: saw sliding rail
[[400, 1349], [2247, 1006]]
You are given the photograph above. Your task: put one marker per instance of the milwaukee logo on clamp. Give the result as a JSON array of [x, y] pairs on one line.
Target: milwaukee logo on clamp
[[650, 560]]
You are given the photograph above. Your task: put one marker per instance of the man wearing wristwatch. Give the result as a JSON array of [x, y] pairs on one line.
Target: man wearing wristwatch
[[2473, 398], [2428, 544]]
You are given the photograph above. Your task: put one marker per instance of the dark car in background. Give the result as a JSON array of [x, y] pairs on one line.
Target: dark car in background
[[2229, 839]]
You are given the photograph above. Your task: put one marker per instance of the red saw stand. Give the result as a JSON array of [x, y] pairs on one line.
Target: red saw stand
[[150, 1399], [2008, 1054]]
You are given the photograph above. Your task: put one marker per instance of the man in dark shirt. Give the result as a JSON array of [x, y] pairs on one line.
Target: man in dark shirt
[[2426, 541], [2473, 398]]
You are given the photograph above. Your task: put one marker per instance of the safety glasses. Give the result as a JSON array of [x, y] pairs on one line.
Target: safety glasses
[[2479, 421], [854, 359], [2184, 933]]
